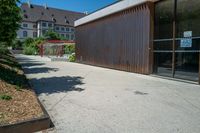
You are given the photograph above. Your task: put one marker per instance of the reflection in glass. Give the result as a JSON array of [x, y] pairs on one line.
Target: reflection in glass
[[188, 17], [163, 45], [187, 66], [163, 64], [186, 55], [164, 19]]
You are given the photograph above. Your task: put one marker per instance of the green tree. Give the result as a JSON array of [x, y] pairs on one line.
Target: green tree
[[50, 34], [10, 19]]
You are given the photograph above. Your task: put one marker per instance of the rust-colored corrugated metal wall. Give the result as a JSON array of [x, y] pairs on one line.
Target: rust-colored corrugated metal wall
[[119, 41]]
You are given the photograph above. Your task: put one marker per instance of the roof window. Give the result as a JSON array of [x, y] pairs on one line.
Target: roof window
[[66, 21], [54, 20]]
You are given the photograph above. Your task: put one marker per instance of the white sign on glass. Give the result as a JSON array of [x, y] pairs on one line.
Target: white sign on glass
[[187, 34]]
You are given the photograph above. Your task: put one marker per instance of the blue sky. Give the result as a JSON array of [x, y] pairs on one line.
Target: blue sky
[[74, 5]]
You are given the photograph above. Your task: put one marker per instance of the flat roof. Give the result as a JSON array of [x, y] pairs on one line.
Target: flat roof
[[108, 10]]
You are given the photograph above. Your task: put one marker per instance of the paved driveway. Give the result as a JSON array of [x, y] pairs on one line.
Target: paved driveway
[[87, 99]]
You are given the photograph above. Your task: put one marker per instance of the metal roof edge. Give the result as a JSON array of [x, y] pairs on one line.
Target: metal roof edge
[[109, 10]]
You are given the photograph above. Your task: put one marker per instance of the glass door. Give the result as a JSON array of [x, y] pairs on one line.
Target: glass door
[[177, 39], [187, 39], [163, 43]]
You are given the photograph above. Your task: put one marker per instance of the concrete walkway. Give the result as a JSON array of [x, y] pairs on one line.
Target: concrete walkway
[[87, 99]]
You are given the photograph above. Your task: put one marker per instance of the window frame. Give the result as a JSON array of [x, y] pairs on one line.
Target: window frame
[[25, 33]]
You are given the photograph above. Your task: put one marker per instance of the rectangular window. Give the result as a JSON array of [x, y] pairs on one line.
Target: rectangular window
[[34, 34], [57, 28], [44, 24], [67, 29], [25, 34], [50, 25], [67, 36], [62, 29], [72, 29], [44, 32], [72, 37], [25, 25], [63, 35]]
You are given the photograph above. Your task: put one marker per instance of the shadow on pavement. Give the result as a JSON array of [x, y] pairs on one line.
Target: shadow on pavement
[[57, 84], [31, 64], [39, 70]]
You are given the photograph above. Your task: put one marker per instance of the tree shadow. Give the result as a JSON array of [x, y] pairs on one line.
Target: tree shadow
[[9, 61], [14, 78], [38, 70], [24, 59], [57, 84], [30, 64]]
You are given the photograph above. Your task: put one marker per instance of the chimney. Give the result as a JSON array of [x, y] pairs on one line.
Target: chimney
[[45, 6], [86, 12], [29, 3]]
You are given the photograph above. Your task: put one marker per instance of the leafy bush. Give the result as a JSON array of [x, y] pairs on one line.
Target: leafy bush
[[72, 58], [69, 49], [50, 34], [30, 51], [31, 46], [28, 42], [5, 97]]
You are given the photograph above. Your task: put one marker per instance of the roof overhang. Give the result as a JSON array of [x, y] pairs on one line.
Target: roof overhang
[[117, 7]]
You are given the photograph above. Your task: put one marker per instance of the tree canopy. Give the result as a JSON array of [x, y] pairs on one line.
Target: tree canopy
[[10, 18]]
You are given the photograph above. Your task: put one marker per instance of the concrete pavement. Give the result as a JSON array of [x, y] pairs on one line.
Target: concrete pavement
[[87, 99]]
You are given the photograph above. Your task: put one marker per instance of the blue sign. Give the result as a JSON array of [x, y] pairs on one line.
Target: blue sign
[[186, 43]]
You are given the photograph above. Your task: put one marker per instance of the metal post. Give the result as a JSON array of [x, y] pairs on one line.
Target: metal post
[[174, 39]]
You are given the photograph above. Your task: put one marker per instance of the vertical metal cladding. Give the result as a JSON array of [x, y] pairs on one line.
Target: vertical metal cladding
[[119, 41]]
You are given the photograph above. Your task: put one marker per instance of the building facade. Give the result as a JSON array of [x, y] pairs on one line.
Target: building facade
[[159, 37], [37, 20]]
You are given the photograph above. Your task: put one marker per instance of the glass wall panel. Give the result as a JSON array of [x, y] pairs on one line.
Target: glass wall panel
[[187, 57], [187, 66], [188, 17], [163, 63], [164, 19], [163, 45], [187, 44], [163, 37]]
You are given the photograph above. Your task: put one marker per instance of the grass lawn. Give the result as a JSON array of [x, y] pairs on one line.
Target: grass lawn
[[18, 101]]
